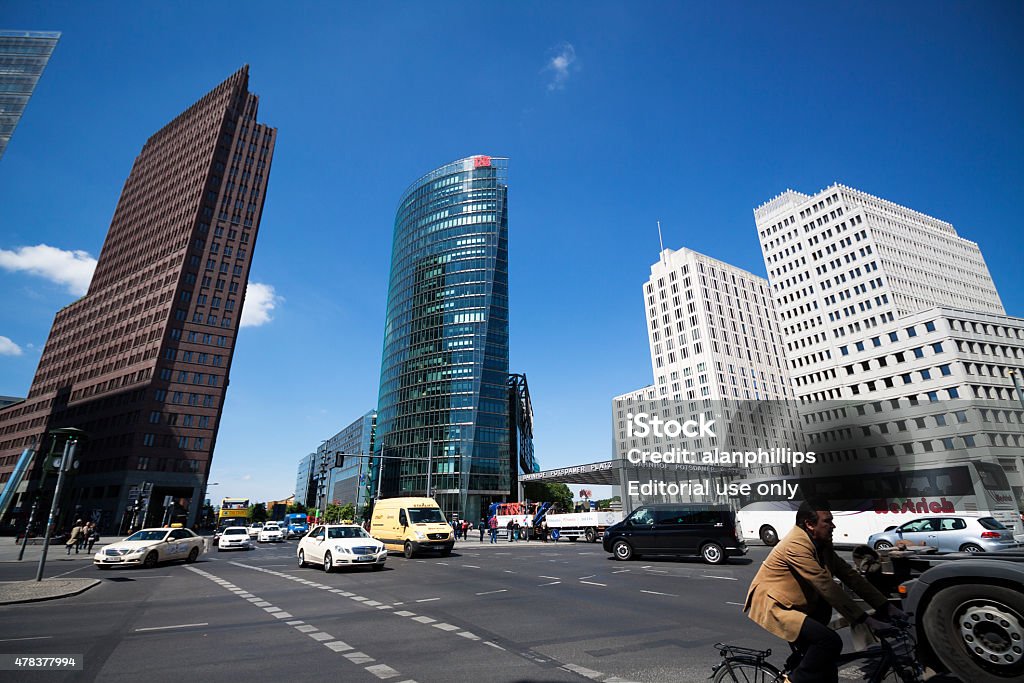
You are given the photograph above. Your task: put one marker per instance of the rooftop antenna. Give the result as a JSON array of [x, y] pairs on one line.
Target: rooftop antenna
[[660, 241]]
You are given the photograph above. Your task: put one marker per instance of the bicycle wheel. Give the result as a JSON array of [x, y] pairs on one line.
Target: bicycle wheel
[[747, 672]]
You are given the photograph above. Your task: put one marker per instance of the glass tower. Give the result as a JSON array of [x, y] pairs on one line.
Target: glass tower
[[443, 399], [23, 56]]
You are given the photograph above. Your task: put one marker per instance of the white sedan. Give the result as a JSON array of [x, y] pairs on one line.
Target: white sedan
[[149, 547], [271, 533], [234, 538], [336, 545]]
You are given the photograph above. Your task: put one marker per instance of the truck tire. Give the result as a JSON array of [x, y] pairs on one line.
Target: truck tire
[[978, 632], [591, 534]]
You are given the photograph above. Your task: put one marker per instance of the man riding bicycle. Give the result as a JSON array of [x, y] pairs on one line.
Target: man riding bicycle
[[793, 594]]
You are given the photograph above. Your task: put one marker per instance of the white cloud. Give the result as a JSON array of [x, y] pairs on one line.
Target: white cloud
[[246, 477], [560, 66], [73, 269], [8, 348], [260, 301]]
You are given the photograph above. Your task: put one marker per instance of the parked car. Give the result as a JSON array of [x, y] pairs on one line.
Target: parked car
[[706, 531], [336, 545], [270, 533], [149, 547], [234, 538], [948, 533]]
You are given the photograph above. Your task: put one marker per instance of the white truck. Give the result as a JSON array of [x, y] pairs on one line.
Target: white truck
[[586, 525]]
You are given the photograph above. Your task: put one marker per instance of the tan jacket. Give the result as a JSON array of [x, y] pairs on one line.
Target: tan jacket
[[790, 585]]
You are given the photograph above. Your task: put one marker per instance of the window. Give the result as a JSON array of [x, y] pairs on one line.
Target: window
[[953, 393], [154, 417], [944, 370], [926, 374], [845, 350], [937, 347], [919, 352], [860, 346], [893, 336], [148, 439], [911, 332], [929, 326]]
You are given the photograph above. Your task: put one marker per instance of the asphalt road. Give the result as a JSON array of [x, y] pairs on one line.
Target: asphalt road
[[504, 613]]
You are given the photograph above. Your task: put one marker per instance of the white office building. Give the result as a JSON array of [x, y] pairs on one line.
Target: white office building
[[715, 350], [843, 263]]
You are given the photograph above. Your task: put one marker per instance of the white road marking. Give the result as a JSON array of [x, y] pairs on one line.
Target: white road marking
[[281, 615], [446, 627], [467, 634], [338, 646], [585, 672], [502, 590], [553, 578], [295, 623], [359, 657], [594, 583], [371, 603], [164, 628], [321, 636], [382, 671], [306, 628], [271, 609], [738, 604], [471, 566], [587, 577], [424, 620], [403, 613], [553, 583], [428, 599], [621, 571], [671, 595], [494, 645], [724, 578], [11, 640], [262, 603]]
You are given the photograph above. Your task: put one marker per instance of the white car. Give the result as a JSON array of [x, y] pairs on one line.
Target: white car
[[254, 529], [234, 538], [149, 547], [271, 533], [337, 545]]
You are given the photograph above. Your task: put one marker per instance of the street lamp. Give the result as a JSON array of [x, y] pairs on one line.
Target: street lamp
[[67, 462], [202, 504]]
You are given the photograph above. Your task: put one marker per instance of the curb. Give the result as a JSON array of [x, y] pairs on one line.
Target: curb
[[91, 583]]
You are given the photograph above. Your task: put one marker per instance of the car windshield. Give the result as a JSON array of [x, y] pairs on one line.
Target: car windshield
[[236, 531], [991, 523], [347, 532], [426, 516], [148, 535], [271, 527]]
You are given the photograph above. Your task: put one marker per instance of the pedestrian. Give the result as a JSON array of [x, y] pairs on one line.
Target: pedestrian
[[515, 529], [483, 525], [493, 526], [92, 536], [524, 531], [544, 530], [75, 537], [509, 527]]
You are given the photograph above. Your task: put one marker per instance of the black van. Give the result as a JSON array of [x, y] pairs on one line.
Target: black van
[[707, 531]]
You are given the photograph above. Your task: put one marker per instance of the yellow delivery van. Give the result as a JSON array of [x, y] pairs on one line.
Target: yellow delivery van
[[411, 525]]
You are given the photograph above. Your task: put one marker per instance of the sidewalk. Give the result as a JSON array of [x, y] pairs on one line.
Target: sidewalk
[[12, 592]]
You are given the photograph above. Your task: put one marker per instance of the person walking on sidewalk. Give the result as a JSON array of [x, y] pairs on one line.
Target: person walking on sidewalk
[[493, 526], [75, 537], [92, 535], [483, 527]]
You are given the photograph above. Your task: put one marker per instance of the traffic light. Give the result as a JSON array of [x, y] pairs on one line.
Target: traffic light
[[339, 459]]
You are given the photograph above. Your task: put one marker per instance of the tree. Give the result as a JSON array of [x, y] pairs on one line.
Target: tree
[[296, 507], [347, 513], [258, 512], [558, 494], [332, 513], [606, 503]]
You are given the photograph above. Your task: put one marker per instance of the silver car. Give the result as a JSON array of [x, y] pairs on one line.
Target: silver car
[[948, 533]]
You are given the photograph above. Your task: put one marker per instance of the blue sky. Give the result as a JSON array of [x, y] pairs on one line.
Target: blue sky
[[614, 115]]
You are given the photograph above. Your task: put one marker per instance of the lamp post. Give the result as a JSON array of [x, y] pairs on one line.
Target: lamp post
[[202, 503], [67, 462], [321, 493]]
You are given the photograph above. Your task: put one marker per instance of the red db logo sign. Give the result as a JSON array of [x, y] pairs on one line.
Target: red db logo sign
[[481, 162]]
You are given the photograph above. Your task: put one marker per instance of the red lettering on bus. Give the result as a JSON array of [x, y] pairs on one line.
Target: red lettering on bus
[[924, 506]]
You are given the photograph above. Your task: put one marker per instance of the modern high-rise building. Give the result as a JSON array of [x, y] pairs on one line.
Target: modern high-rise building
[[716, 350], [350, 474], [842, 263], [305, 481], [23, 56], [444, 396], [141, 362]]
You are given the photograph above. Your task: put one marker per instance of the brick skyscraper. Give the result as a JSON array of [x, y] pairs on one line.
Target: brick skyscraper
[[141, 362]]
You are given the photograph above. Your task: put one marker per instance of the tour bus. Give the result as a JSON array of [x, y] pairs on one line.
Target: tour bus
[[865, 502], [233, 512]]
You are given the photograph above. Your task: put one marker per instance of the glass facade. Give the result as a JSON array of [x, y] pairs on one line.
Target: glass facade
[[23, 56], [304, 492], [443, 387], [354, 481]]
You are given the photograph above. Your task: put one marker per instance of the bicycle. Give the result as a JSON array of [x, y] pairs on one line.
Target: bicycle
[[892, 660]]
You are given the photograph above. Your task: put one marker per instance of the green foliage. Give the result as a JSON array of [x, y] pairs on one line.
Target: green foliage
[[258, 512], [559, 494], [347, 513], [296, 507], [332, 513], [605, 503]]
